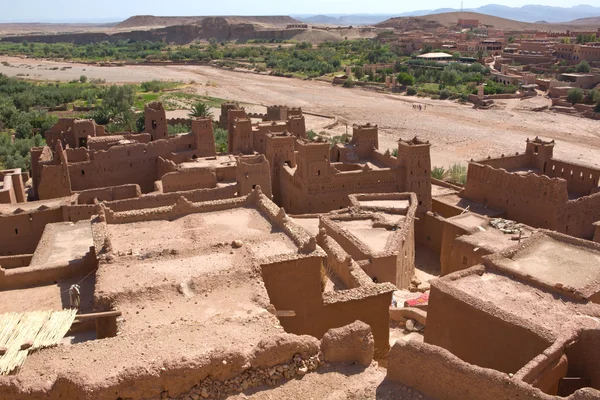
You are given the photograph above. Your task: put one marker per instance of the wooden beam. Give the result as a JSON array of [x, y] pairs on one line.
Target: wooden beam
[[105, 314], [285, 313]]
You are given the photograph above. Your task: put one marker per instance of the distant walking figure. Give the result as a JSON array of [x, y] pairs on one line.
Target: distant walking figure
[[74, 296]]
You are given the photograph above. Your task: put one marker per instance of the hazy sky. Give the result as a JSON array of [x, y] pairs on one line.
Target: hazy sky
[[114, 10]]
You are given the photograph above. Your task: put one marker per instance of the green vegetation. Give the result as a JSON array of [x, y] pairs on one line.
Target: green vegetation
[[177, 129], [457, 173], [25, 115], [339, 139], [200, 110], [438, 173], [575, 95], [220, 139], [586, 38], [583, 67], [301, 59]]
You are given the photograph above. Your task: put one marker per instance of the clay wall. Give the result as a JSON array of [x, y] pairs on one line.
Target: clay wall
[[415, 162], [202, 129], [242, 138], [295, 284], [583, 357], [330, 192], [296, 125], [252, 172], [581, 180], [279, 150], [18, 261], [432, 232], [7, 191], [155, 122], [463, 255], [444, 209], [385, 158], [510, 162], [189, 179], [342, 264], [165, 199], [74, 213], [450, 325], [46, 274], [531, 199], [578, 217], [106, 142], [450, 232], [260, 131], [79, 154], [412, 363], [109, 194], [177, 379], [597, 232], [223, 117], [20, 233]]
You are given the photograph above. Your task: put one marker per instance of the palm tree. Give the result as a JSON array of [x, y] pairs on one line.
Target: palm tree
[[200, 110]]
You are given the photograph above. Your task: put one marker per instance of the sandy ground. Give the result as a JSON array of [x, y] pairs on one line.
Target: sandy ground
[[457, 132], [337, 382]]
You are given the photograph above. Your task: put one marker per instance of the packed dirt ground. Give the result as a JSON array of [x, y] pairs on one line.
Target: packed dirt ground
[[457, 131]]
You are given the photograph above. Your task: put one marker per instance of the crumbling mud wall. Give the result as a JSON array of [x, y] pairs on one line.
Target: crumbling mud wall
[[20, 233], [578, 217], [154, 200], [174, 379], [414, 364], [294, 283], [532, 199], [109, 194], [46, 274], [189, 179], [450, 317], [12, 189]]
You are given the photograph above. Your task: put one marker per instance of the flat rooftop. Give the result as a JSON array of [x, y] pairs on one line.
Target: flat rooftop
[[556, 262], [63, 242], [185, 292], [455, 200], [506, 297], [215, 162]]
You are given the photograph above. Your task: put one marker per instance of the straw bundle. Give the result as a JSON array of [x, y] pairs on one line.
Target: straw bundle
[[40, 328]]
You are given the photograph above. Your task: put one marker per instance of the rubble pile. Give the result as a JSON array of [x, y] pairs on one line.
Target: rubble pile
[[505, 225], [210, 388]]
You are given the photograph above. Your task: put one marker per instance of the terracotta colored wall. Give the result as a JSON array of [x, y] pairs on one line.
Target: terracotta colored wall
[[578, 217], [432, 231], [296, 285], [189, 179], [19, 278], [477, 337], [463, 256], [109, 194], [166, 199], [449, 235], [532, 199], [20, 233], [581, 180], [583, 356], [444, 209], [18, 261], [441, 375]]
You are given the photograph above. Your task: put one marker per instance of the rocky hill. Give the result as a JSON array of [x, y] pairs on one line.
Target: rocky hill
[[451, 18], [139, 21]]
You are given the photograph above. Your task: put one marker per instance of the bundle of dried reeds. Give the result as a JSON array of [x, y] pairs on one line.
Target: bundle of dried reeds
[[21, 333]]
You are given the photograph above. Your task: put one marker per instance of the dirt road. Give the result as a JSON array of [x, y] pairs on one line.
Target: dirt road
[[457, 132]]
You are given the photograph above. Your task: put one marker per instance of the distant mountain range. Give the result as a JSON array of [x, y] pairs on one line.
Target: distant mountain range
[[529, 13]]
